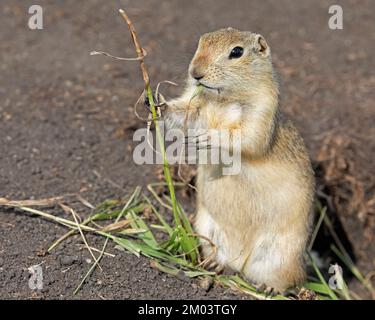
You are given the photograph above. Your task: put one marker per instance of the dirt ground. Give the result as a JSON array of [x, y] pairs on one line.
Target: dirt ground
[[67, 120]]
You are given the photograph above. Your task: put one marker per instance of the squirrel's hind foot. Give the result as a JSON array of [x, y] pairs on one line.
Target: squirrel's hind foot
[[212, 265], [266, 290]]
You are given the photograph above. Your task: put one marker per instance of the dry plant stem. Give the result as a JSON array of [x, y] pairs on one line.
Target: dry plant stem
[[94, 53], [164, 81], [65, 222], [214, 249], [105, 253], [85, 202], [148, 91], [138, 48], [92, 268], [150, 187], [68, 209], [30, 203], [135, 108], [66, 235]]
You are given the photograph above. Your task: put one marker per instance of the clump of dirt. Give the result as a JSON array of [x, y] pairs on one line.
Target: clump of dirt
[[348, 189], [346, 175]]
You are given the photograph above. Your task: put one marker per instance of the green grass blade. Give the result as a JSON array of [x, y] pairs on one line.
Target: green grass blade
[[159, 216], [322, 280], [344, 257], [138, 248], [138, 223], [316, 287], [322, 213]]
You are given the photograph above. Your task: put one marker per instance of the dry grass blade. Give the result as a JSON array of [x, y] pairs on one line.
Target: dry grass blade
[[136, 105], [105, 253], [92, 268], [165, 225], [138, 48], [68, 209], [65, 222], [116, 225], [65, 236], [214, 249], [30, 203], [102, 53], [85, 202], [162, 82], [150, 187]]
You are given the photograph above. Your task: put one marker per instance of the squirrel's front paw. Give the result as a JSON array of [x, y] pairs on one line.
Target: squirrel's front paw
[[205, 139], [159, 102]]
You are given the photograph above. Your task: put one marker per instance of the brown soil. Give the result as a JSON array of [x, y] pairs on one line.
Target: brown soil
[[66, 122]]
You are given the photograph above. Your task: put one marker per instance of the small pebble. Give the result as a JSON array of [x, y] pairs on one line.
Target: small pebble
[[206, 283], [68, 260]]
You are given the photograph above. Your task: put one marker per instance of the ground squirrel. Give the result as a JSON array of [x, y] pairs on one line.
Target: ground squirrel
[[259, 219]]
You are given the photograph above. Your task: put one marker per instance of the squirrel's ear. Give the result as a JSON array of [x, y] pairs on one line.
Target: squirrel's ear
[[261, 46]]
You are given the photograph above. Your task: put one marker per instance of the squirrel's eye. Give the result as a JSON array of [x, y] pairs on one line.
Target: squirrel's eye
[[236, 53]]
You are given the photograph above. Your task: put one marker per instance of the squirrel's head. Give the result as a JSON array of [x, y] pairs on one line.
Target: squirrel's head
[[231, 60]]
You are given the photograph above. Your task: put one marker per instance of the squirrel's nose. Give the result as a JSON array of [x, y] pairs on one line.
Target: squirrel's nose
[[197, 74]]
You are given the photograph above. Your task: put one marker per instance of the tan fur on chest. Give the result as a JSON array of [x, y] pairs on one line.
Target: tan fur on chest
[[261, 191], [220, 116]]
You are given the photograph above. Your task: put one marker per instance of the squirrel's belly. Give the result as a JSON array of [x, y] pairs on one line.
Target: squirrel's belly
[[259, 193], [258, 220]]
